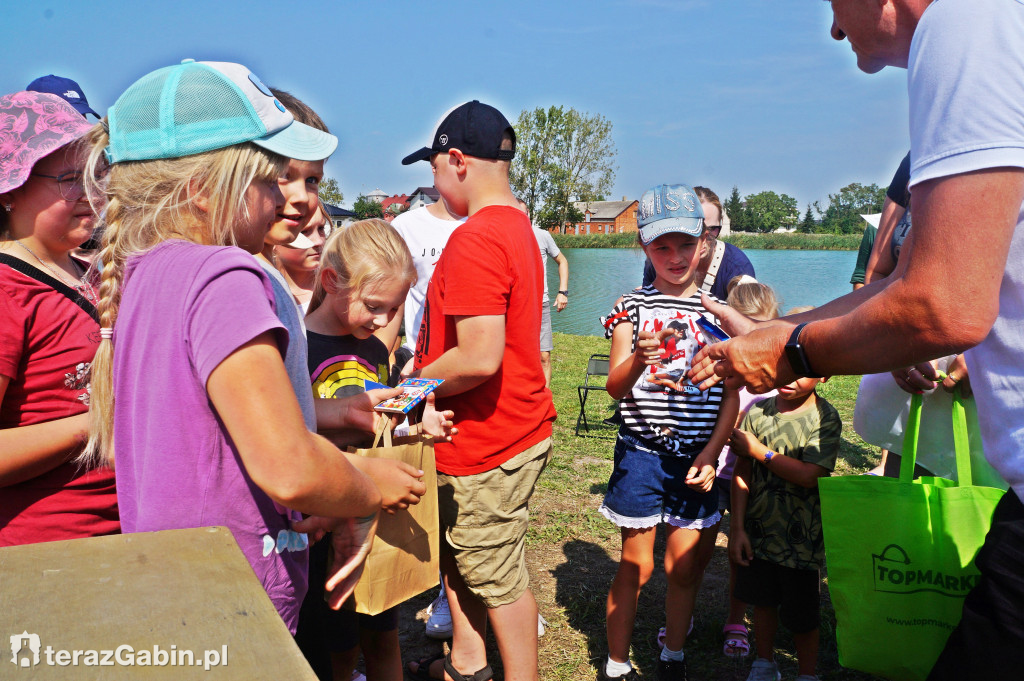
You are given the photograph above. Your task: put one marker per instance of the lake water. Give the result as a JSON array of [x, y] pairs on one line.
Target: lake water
[[598, 276]]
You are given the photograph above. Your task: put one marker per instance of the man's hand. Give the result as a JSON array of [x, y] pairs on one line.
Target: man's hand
[[926, 376], [756, 361], [733, 322], [956, 376], [918, 378], [351, 540], [560, 302], [400, 484]]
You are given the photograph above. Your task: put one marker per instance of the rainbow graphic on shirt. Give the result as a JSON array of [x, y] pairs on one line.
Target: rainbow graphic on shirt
[[345, 375]]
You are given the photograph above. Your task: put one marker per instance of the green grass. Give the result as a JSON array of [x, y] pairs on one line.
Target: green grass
[[621, 240], [795, 241], [744, 240]]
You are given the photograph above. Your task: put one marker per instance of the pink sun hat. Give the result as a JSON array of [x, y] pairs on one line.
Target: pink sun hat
[[32, 125]]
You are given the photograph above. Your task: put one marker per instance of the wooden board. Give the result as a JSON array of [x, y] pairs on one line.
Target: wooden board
[[178, 590]]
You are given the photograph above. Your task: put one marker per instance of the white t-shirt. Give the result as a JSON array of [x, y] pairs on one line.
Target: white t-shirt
[[547, 247], [426, 236], [966, 84]]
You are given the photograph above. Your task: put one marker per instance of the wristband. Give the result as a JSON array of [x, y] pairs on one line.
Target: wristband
[[768, 456], [564, 293], [796, 354]]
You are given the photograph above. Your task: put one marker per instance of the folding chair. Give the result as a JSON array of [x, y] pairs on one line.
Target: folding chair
[[597, 365]]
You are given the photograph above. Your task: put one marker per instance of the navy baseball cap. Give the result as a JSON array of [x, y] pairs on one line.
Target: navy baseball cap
[[65, 88], [473, 128], [669, 208]]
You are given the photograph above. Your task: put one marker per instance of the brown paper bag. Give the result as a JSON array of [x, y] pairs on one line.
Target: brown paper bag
[[403, 561]]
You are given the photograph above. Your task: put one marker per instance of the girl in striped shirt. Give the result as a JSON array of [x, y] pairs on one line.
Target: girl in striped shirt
[[672, 433]]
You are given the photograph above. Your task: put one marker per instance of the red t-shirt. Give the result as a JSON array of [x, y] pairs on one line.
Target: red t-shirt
[[47, 344], [490, 266]]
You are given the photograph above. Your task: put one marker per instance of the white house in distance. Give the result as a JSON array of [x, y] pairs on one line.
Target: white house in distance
[[377, 195], [423, 196]]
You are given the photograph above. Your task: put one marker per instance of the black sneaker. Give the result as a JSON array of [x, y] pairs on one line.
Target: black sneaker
[[671, 670], [631, 675]]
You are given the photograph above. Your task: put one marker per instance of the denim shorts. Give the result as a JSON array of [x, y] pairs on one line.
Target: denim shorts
[[648, 487]]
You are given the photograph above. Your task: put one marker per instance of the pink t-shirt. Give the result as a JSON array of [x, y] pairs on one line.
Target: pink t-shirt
[[185, 308]]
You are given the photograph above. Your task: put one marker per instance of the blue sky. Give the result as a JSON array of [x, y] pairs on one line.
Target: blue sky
[[752, 93]]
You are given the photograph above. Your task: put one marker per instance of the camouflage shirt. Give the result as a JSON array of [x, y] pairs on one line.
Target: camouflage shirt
[[783, 520]]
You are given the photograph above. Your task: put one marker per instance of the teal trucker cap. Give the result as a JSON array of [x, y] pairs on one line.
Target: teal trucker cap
[[201, 106]]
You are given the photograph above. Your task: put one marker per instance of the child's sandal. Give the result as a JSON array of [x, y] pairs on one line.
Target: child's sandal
[[484, 674], [737, 640]]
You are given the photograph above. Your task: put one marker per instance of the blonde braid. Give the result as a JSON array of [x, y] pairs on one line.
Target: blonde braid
[[100, 448]]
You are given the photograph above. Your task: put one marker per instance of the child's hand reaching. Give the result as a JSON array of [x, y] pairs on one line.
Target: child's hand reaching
[[438, 423], [740, 550], [399, 483], [351, 540], [357, 410]]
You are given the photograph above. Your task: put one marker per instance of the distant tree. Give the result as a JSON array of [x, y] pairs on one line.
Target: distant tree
[[562, 156], [330, 191], [551, 216], [537, 134], [845, 208], [808, 225], [768, 211], [586, 157], [734, 209], [367, 208]]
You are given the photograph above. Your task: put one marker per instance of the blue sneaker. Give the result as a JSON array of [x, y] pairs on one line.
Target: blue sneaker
[[439, 622]]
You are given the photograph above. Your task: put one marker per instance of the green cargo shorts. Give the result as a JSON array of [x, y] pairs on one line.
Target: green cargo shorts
[[483, 521]]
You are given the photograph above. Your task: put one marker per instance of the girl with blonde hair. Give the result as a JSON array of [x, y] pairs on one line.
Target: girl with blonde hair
[[191, 398], [365, 274]]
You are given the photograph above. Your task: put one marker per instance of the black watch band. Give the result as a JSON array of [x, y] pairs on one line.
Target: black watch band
[[564, 293], [797, 355]]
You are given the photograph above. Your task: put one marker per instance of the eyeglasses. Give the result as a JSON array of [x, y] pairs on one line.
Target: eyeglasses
[[713, 228], [69, 185]]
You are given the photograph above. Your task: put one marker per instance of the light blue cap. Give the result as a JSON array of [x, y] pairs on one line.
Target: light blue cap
[[669, 208], [201, 106]]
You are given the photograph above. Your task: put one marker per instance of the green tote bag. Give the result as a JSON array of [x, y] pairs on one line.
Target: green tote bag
[[900, 556]]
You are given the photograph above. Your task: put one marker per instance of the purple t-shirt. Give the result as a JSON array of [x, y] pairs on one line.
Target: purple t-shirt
[[185, 308]]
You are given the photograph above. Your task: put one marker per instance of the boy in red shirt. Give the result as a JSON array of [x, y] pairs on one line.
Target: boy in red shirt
[[479, 333]]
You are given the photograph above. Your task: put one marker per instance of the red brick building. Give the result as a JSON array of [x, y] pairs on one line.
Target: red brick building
[[605, 217]]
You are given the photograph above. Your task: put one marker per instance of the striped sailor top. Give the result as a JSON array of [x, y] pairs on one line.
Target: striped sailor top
[[663, 407]]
